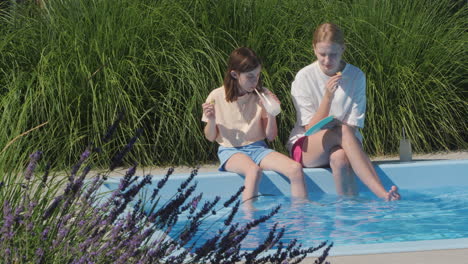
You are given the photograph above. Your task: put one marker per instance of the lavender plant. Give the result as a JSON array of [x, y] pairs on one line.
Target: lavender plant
[[80, 225]]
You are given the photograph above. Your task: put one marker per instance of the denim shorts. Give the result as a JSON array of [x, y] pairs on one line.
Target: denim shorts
[[256, 151]]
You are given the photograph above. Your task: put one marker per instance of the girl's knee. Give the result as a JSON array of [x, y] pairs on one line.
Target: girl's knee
[[296, 167], [338, 159], [349, 136], [347, 131], [254, 170], [295, 172]]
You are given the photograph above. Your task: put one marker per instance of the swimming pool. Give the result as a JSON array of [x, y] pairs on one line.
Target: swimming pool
[[432, 215]]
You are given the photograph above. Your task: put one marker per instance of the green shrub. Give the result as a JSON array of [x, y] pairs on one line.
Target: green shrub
[[73, 63]]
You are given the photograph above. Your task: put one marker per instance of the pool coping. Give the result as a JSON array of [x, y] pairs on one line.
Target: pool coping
[[413, 257], [396, 247], [320, 180]]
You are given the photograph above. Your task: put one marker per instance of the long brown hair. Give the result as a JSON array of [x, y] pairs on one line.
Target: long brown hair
[[328, 32], [241, 60]]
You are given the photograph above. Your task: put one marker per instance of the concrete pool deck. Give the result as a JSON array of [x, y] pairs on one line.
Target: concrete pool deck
[[417, 257], [426, 257]]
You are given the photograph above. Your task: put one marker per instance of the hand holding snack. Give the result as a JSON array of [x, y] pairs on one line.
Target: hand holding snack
[[209, 109], [332, 84]]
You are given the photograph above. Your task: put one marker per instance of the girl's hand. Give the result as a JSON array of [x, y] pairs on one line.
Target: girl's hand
[[332, 85], [209, 110], [272, 95]]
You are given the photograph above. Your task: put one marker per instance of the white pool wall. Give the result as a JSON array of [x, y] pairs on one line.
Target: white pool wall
[[408, 176]]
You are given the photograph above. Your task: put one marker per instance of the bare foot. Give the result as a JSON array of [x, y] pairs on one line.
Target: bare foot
[[393, 194]]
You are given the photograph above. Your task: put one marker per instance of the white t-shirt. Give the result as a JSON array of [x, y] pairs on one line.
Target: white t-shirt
[[348, 104]]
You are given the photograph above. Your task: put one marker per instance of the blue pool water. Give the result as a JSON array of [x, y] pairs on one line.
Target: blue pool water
[[431, 214]]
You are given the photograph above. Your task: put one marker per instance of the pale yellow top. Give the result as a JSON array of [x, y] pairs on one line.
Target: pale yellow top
[[239, 123]]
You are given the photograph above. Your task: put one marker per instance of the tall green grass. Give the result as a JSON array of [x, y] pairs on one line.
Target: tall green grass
[[77, 63]]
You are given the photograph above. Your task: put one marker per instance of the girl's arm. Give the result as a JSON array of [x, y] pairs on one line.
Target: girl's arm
[[211, 130], [324, 107], [271, 128], [269, 123]]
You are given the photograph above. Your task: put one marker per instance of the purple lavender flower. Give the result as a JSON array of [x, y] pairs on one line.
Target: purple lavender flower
[[97, 182], [128, 179], [46, 173], [85, 172], [113, 127], [84, 156], [62, 233], [263, 246], [33, 159], [104, 231], [48, 212], [195, 203], [206, 248], [207, 207], [45, 233], [230, 251], [234, 210], [184, 184], [234, 197], [161, 183], [8, 220], [39, 253], [82, 260], [117, 159], [86, 244]]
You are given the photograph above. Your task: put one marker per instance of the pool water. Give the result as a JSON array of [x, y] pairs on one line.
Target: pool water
[[423, 214], [433, 214]]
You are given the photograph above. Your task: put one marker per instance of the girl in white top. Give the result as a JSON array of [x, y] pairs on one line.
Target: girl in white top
[[236, 119], [330, 86]]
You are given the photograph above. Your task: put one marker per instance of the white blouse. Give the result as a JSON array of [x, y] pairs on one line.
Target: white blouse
[[348, 105]]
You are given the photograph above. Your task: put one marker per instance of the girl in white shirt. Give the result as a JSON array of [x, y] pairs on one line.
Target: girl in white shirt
[[330, 86], [237, 120]]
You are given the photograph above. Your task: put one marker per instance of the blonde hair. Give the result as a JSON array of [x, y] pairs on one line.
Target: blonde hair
[[328, 32]]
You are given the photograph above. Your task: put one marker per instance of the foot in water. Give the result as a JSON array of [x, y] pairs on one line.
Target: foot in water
[[393, 194]]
